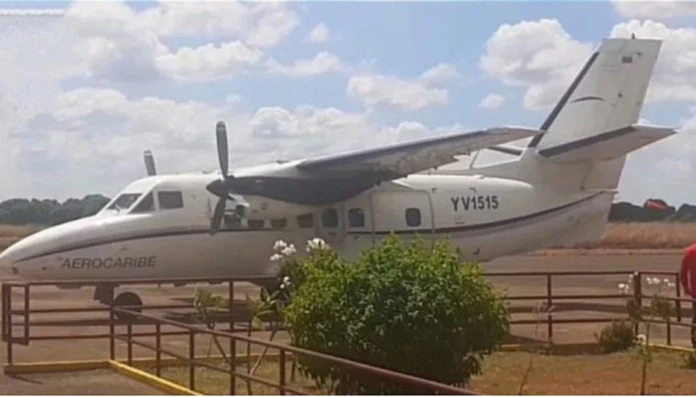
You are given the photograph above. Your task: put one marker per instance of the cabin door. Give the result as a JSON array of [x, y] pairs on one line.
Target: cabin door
[[405, 213], [359, 231], [331, 225]]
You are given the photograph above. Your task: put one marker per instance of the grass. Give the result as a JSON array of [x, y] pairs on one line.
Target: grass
[[569, 374], [617, 235], [658, 235], [211, 382], [9, 234]]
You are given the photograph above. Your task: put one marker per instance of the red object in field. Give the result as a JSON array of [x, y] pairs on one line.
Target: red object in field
[[688, 271]]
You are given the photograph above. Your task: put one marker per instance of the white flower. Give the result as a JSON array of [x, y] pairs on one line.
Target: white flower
[[653, 281], [289, 250], [624, 288], [285, 283], [276, 258], [315, 243], [279, 245]]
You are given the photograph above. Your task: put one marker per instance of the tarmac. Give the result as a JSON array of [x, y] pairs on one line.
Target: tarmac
[[96, 382]]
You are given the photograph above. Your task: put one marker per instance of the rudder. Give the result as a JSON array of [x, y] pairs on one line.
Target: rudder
[[607, 94]]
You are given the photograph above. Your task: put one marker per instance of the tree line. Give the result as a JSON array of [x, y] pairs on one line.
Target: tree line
[[48, 212]]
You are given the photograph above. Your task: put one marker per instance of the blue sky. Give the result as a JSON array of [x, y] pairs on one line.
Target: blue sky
[[396, 40]]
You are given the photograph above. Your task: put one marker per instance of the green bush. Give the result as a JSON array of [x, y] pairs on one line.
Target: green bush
[[618, 336], [404, 307], [689, 360]]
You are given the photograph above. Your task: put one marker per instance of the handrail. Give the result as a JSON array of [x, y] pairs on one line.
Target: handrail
[[10, 313], [386, 373]]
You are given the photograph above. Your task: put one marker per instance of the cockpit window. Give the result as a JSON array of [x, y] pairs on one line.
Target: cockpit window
[[170, 199], [124, 201], [146, 205]]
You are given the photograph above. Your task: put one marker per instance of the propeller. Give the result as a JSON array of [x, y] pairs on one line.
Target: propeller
[[149, 163], [219, 187]]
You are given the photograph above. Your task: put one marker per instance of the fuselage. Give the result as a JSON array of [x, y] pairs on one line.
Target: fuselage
[[158, 227]]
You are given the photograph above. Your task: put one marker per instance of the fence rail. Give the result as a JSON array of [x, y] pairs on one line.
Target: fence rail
[[132, 338], [284, 350]]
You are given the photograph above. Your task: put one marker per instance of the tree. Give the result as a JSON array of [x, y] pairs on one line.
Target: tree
[[405, 307]]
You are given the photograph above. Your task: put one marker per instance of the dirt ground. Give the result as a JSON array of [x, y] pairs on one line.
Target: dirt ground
[[96, 382]]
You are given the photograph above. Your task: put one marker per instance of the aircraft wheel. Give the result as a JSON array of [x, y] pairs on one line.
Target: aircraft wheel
[[128, 301]]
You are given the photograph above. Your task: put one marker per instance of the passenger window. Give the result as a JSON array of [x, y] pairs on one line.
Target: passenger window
[[147, 205], [413, 217], [279, 223], [329, 217], [255, 223], [356, 217], [305, 220], [170, 200]]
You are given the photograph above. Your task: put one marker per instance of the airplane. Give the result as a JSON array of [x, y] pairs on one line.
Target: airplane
[[555, 192]]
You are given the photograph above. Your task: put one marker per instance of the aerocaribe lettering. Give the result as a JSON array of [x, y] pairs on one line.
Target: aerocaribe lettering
[[109, 263], [477, 202]]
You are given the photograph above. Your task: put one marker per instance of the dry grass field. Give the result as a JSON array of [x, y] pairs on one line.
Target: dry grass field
[[648, 236], [10, 233], [563, 374], [632, 236]]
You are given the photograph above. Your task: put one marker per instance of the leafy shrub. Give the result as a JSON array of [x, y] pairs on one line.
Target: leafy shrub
[[689, 359], [404, 307], [618, 336]]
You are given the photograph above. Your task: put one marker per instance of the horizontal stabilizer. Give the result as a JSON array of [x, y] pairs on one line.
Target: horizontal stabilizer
[[507, 149], [607, 145]]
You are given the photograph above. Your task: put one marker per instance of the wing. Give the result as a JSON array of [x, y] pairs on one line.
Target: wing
[[412, 157]]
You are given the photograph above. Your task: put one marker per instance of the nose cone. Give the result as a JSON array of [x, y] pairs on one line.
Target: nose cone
[[28, 252], [7, 262]]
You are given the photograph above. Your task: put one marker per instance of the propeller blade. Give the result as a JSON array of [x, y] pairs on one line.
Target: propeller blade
[[221, 134], [149, 163], [216, 221]]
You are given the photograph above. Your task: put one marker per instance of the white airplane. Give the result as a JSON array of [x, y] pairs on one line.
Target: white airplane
[[557, 191]]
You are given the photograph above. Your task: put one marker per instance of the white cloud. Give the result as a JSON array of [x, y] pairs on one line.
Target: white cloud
[[441, 73], [374, 89], [94, 138], [539, 55], [664, 169], [122, 44], [492, 102], [675, 71], [323, 62], [319, 34], [208, 62], [544, 58], [262, 24], [655, 9]]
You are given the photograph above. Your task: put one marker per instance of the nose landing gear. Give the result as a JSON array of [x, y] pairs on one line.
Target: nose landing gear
[[127, 300]]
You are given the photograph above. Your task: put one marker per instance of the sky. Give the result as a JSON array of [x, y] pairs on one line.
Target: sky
[[83, 93]]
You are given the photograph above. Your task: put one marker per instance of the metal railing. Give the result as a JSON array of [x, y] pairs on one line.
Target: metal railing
[[27, 334], [9, 312], [549, 299], [418, 384]]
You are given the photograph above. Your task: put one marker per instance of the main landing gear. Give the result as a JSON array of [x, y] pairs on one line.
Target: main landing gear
[[127, 300]]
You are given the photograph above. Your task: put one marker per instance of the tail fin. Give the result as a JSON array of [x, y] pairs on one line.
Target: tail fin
[[604, 100], [595, 123]]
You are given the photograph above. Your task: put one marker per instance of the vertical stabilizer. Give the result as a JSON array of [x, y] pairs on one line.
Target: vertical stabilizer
[[606, 95]]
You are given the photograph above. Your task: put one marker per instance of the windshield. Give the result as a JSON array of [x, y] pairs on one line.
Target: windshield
[[124, 201]]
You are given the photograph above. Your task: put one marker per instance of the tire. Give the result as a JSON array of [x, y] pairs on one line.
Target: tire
[[126, 299]]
